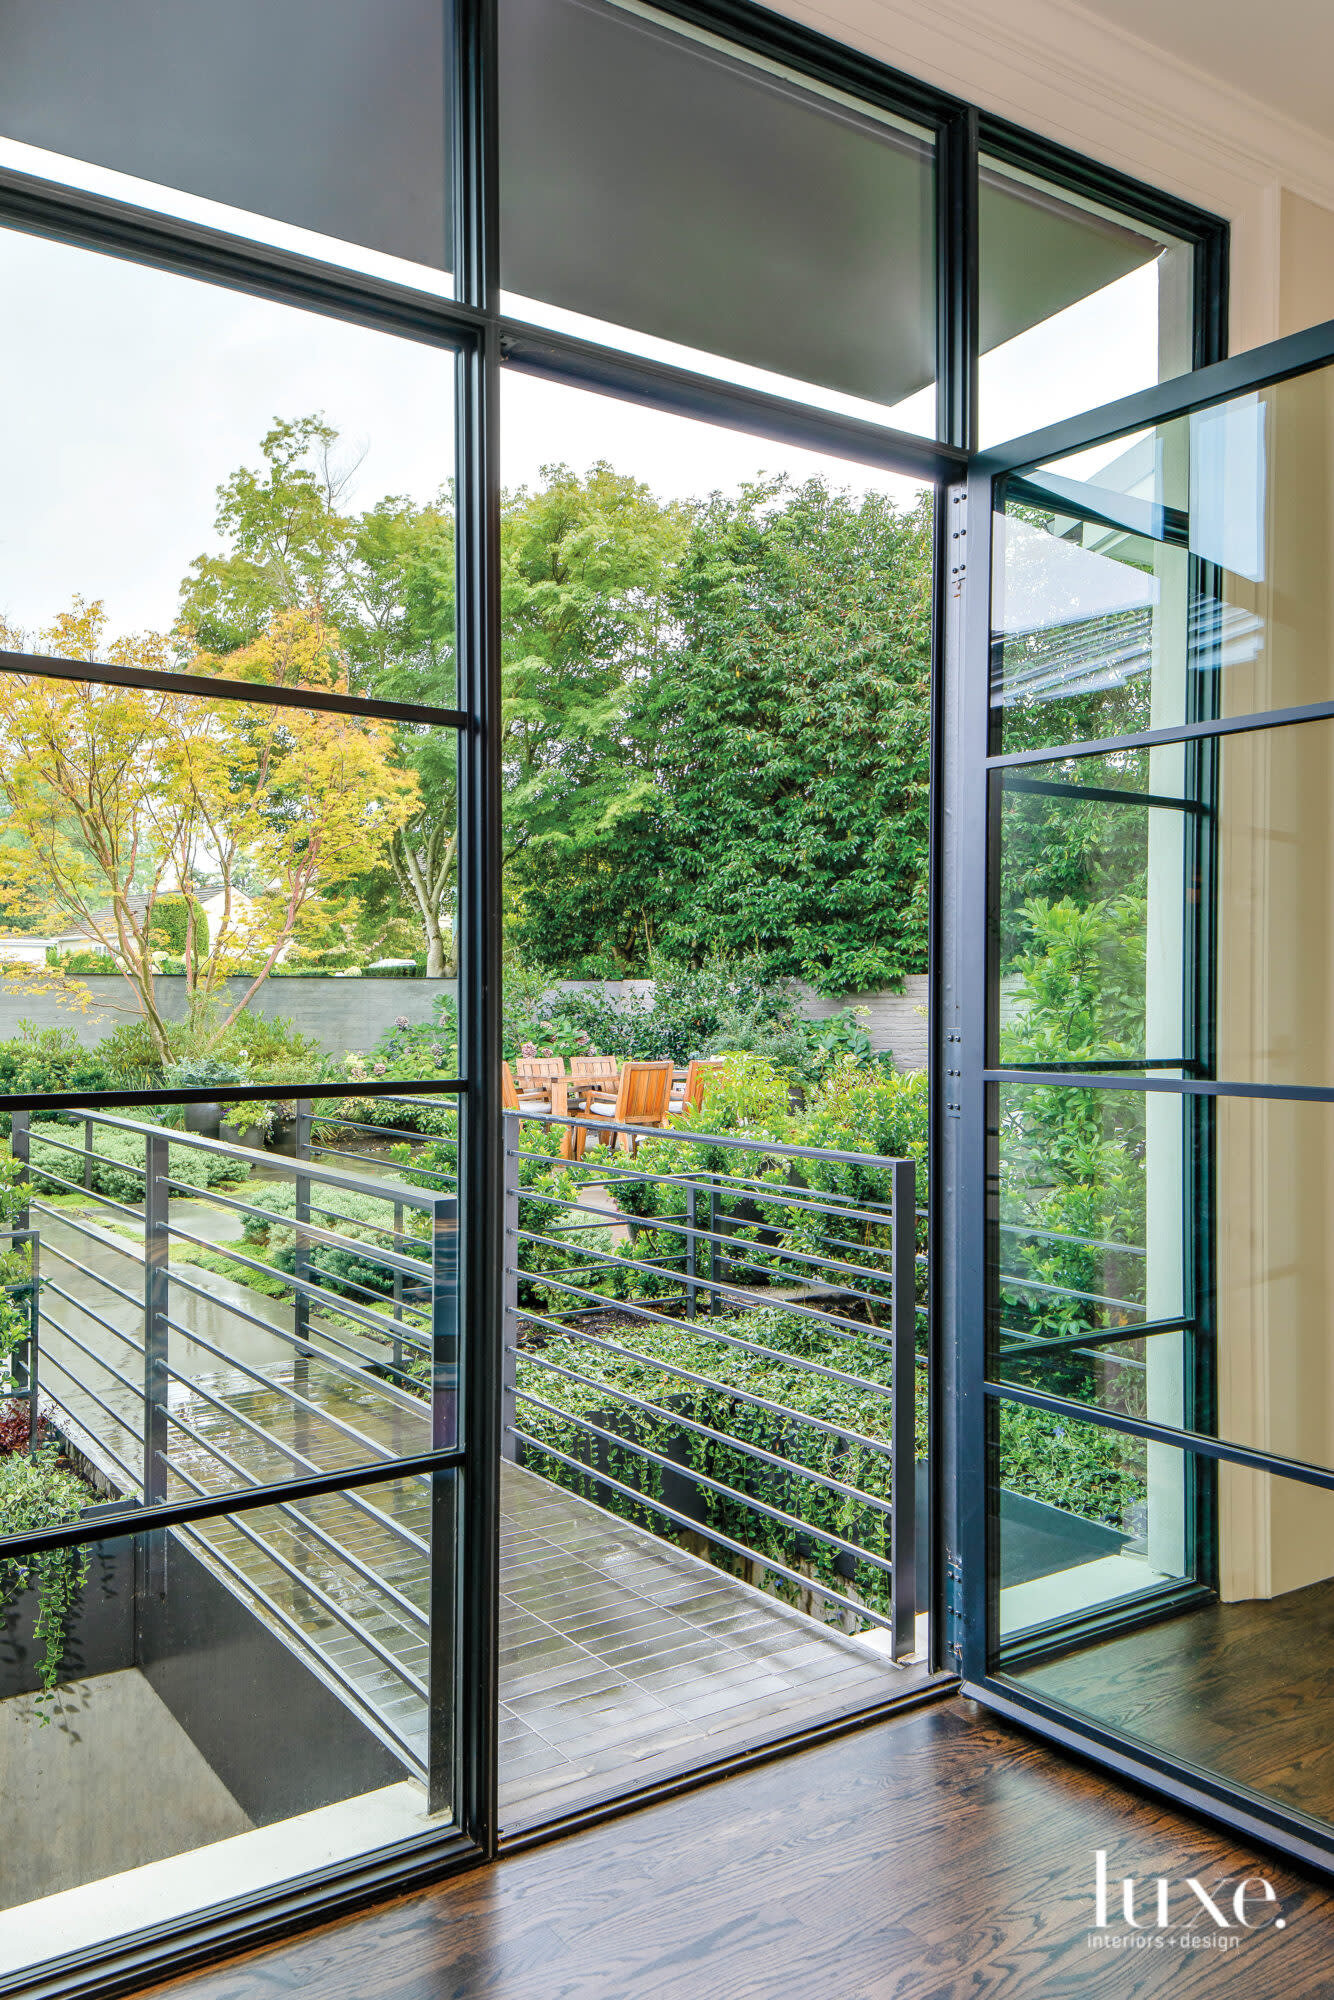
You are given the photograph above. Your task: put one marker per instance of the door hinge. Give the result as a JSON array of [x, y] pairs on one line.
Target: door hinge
[[954, 1610]]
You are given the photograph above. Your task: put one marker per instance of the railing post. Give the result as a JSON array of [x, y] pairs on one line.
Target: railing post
[[903, 1413], [692, 1248], [88, 1155], [157, 1247], [20, 1137], [715, 1216], [33, 1346], [24, 1365], [440, 1718], [509, 1358], [398, 1296], [301, 1268]]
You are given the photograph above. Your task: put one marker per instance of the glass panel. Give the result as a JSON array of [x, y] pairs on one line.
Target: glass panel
[[662, 193], [1171, 575], [1088, 1519], [1235, 1684], [170, 1667], [187, 464], [299, 1312], [324, 128], [1078, 306], [246, 856], [1094, 905], [1091, 1211]]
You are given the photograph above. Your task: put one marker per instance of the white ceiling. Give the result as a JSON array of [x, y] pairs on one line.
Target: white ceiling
[[1281, 52]]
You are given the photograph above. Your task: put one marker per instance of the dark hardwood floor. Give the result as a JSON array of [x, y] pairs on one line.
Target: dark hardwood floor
[[938, 1856], [1241, 1690]]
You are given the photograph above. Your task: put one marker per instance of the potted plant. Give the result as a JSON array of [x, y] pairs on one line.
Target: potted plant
[[199, 1073]]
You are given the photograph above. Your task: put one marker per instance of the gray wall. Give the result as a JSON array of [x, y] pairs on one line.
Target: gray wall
[[343, 1014], [896, 1021], [350, 1014]]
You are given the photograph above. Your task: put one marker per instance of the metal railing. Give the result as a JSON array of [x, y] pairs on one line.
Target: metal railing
[[151, 1373], [702, 1250]]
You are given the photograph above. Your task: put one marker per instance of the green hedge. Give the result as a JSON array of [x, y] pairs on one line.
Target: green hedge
[[116, 1155]]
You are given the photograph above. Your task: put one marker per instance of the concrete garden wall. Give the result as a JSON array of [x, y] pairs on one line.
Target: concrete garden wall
[[350, 1014]]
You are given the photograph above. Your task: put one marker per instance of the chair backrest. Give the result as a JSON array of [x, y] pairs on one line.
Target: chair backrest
[[700, 1070], [509, 1096], [594, 1069], [645, 1093], [538, 1072]]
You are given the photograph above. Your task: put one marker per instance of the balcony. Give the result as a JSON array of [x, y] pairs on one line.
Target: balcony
[[694, 1560]]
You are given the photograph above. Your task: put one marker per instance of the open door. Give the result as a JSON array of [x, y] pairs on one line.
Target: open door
[[1137, 1064]]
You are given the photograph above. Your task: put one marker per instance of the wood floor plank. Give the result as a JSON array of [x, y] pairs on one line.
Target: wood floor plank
[[940, 1856]]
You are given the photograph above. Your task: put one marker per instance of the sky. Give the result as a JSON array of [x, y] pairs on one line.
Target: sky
[[130, 394]]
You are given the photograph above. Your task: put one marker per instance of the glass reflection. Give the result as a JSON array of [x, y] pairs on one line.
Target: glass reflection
[[1235, 1684], [1169, 576]]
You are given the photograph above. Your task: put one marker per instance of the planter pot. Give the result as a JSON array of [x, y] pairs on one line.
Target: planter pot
[[204, 1119], [243, 1135]]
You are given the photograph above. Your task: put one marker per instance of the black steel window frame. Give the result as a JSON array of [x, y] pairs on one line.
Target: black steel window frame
[[969, 1200], [471, 325]]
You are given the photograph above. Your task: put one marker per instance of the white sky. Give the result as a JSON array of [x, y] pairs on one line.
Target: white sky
[[131, 394]]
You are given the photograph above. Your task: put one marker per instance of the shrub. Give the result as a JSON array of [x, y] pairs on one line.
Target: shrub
[[118, 1158], [364, 1218], [39, 1492]]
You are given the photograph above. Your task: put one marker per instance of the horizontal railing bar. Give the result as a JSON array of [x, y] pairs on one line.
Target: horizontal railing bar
[[244, 1155], [773, 1146], [178, 1277], [783, 1519], [71, 1418], [412, 1267], [50, 1249], [711, 1332], [1061, 1236], [311, 1527], [281, 1388], [353, 1497], [103, 1238], [88, 1194], [348, 1621], [701, 1178], [348, 1307], [812, 1584], [1023, 1284], [1095, 1336], [136, 1389], [81, 1305], [307, 1645], [707, 1382], [536, 1358], [674, 1226], [744, 1294], [54, 1361], [373, 1253], [41, 1136]]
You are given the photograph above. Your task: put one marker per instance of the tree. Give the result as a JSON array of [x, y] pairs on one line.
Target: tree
[[385, 579], [121, 797], [586, 565], [792, 723]]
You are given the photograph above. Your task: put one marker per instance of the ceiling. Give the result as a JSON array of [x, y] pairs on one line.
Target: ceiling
[[1281, 52]]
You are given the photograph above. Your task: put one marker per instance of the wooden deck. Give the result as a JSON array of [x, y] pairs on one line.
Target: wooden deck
[[938, 1856], [623, 1659]]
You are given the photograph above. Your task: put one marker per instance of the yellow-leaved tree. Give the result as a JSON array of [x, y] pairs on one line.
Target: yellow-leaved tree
[[115, 797]]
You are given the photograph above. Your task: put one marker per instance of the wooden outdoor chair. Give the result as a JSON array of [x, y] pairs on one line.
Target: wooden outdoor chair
[[535, 1075], [547, 1095], [688, 1087], [601, 1070], [643, 1097]]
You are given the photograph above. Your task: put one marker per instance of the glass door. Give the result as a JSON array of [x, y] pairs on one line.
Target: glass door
[[1139, 1072]]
